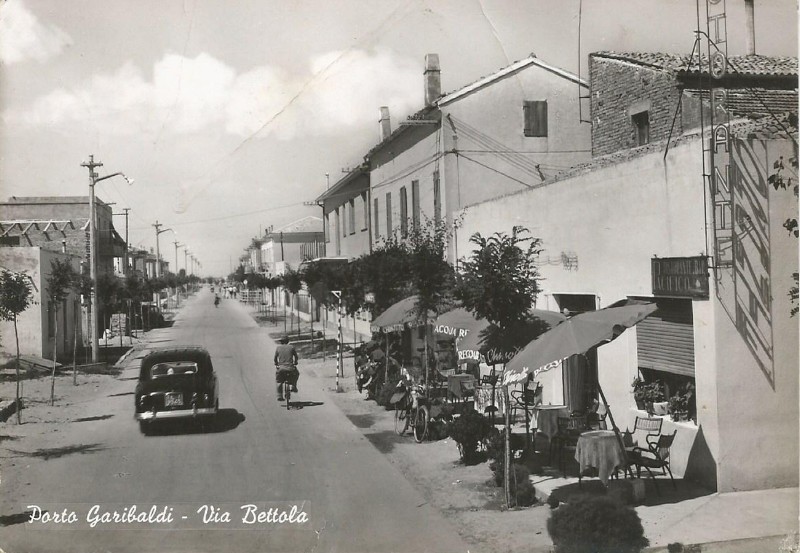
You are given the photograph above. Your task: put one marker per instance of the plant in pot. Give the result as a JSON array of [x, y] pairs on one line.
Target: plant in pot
[[654, 398], [681, 404], [638, 386], [468, 431]]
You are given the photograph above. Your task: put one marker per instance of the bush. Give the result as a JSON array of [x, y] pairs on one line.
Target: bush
[[595, 524], [523, 493], [468, 431]]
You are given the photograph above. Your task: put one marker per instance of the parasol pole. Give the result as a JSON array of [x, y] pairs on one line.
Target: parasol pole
[[615, 427]]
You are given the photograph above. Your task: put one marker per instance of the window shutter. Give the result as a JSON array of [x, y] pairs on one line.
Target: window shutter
[[535, 115], [665, 339]]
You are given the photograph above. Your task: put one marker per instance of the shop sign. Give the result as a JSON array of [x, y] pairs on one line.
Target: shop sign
[[680, 276]]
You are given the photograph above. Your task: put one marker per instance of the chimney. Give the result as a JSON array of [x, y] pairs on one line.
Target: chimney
[[750, 36], [433, 80], [386, 124]]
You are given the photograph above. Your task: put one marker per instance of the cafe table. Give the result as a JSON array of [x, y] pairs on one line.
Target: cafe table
[[600, 449], [547, 418]]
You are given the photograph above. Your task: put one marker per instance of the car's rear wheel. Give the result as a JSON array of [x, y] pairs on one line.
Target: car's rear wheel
[[145, 428]]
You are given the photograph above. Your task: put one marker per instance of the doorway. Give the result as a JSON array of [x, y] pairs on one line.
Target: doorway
[[579, 374]]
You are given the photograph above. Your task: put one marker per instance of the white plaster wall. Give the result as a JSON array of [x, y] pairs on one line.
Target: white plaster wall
[[30, 325]]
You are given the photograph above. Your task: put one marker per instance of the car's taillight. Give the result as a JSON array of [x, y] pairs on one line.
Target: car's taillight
[[194, 398], [205, 398]]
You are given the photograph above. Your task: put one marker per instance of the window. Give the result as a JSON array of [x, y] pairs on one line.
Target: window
[[437, 198], [365, 204], [343, 220], [327, 227], [641, 121], [415, 204], [388, 214], [535, 115], [352, 220], [403, 211], [377, 226]]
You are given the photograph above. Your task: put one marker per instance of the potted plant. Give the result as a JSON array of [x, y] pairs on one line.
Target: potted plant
[[681, 404], [655, 398], [638, 386]]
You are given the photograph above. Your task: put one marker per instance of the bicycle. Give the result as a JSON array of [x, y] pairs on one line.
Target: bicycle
[[411, 411], [286, 389]]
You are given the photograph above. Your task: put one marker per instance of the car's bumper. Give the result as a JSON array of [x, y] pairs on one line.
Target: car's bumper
[[175, 414]]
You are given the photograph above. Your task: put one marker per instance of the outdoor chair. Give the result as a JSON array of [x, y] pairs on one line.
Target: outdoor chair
[[650, 427], [566, 439], [526, 400], [655, 457]]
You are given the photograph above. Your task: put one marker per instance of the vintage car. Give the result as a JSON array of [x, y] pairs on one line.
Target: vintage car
[[175, 382]]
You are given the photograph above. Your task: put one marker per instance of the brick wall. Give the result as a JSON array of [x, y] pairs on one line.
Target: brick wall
[[619, 87]]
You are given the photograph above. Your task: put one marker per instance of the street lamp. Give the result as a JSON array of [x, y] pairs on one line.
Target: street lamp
[[93, 180], [177, 294], [159, 231]]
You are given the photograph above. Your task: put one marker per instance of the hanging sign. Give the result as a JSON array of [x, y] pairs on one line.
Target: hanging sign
[[680, 276]]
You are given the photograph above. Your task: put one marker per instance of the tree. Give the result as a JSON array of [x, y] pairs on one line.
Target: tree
[[293, 283], [15, 297], [499, 283], [58, 285]]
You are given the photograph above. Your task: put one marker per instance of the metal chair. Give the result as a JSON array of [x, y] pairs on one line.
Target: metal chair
[[525, 399], [656, 456], [650, 427]]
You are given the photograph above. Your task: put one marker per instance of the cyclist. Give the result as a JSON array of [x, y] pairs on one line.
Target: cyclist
[[285, 366]]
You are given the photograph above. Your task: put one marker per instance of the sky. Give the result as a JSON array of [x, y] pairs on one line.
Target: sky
[[229, 113]]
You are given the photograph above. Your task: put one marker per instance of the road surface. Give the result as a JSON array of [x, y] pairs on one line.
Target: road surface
[[316, 483]]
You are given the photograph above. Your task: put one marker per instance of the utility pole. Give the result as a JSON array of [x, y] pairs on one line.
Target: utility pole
[[92, 323], [158, 252], [177, 294], [125, 269], [94, 178]]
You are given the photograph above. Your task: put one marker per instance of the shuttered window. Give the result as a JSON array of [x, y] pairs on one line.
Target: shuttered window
[[403, 211], [535, 115], [665, 339]]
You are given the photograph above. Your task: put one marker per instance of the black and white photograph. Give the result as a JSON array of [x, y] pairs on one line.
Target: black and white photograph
[[383, 276]]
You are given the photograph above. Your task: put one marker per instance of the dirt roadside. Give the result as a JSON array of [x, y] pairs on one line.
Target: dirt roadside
[[464, 494]]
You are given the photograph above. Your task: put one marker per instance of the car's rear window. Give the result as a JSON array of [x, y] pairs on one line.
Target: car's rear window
[[171, 368]]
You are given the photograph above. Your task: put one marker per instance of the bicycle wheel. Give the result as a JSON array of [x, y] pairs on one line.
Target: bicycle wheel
[[421, 424], [287, 393], [402, 418]]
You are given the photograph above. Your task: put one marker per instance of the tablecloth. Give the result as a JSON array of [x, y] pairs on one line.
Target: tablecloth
[[546, 417], [599, 449]]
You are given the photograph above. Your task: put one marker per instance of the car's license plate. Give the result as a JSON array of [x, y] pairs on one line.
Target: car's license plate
[[173, 400]]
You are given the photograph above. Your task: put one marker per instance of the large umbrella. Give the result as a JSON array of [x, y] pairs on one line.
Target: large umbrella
[[470, 332], [576, 336], [397, 316]]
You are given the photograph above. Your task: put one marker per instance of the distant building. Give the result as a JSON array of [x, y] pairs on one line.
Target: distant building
[[292, 244], [59, 223]]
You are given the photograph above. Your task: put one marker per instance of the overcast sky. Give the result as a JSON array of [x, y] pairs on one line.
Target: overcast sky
[[228, 113]]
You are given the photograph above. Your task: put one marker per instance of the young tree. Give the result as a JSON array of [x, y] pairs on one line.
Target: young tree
[[58, 286], [499, 283], [15, 297], [293, 282], [82, 285]]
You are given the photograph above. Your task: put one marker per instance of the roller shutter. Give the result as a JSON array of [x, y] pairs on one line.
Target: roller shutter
[[665, 340]]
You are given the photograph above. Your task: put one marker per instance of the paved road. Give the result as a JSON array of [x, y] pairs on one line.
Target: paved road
[[259, 453]]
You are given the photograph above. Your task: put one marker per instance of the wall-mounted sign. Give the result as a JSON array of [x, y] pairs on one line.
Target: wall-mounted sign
[[680, 276]]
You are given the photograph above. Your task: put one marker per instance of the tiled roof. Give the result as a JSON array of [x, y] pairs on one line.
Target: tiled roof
[[508, 70], [756, 102], [757, 65], [783, 125]]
